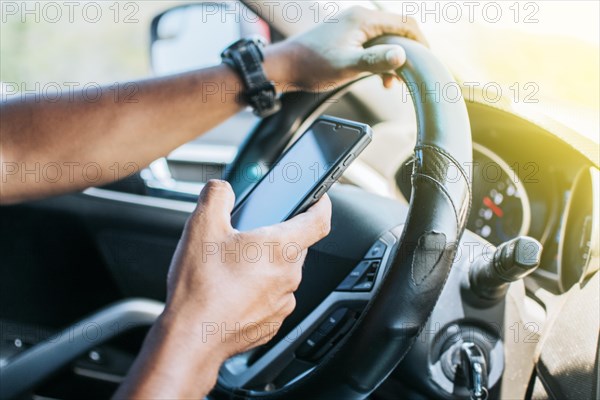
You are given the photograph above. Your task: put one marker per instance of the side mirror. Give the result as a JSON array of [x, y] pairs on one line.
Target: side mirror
[[192, 36]]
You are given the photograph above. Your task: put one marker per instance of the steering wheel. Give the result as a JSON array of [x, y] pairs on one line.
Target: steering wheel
[[422, 256]]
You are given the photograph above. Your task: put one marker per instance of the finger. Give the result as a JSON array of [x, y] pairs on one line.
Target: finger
[[378, 23], [307, 228], [388, 80], [289, 305], [381, 58], [215, 203]]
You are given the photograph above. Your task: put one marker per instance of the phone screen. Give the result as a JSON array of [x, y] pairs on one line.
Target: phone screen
[[297, 173]]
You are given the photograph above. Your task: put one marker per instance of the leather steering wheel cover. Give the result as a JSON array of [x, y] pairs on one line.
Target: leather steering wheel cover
[[437, 216]]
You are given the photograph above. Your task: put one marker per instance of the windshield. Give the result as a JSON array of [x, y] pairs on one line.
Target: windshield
[[542, 55]]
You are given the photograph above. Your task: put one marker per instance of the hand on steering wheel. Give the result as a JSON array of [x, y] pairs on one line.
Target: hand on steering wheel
[[315, 64]]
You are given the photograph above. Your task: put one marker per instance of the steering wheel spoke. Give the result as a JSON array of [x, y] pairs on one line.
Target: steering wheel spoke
[[301, 350]]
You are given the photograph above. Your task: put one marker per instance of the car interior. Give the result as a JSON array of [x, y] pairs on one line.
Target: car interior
[[462, 262]]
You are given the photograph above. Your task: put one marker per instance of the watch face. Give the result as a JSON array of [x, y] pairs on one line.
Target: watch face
[[259, 40], [256, 39], [240, 44]]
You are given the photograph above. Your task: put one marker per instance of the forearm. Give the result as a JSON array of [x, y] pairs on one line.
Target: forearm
[[54, 147], [174, 364]]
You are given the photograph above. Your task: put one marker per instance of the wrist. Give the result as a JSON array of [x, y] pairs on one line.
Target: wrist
[[188, 334], [280, 67], [174, 362]]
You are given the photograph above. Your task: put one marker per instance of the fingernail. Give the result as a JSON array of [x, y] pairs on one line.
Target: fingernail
[[395, 56]]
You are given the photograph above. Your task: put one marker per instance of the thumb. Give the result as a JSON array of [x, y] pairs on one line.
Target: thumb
[[381, 58], [215, 203], [307, 228]]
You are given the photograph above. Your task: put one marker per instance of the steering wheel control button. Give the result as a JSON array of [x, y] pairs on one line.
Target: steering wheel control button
[[332, 321], [357, 273], [366, 282], [337, 324], [377, 250], [95, 356], [362, 278], [363, 286], [307, 348]]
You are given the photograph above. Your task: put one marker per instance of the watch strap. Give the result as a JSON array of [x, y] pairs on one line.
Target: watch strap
[[245, 56]]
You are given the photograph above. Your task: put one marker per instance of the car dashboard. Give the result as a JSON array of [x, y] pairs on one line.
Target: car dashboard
[[537, 179], [530, 176]]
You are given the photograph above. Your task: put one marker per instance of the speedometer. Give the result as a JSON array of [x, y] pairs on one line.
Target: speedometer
[[500, 210]]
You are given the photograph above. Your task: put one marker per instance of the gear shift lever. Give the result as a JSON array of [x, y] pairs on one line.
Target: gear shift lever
[[474, 367]]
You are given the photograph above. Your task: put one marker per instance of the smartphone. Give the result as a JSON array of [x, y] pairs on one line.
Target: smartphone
[[303, 173]]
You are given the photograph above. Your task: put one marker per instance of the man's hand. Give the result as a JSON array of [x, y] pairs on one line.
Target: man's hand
[[332, 53], [244, 282], [228, 291]]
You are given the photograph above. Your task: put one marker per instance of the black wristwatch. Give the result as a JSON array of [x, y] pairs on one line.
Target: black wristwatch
[[245, 56]]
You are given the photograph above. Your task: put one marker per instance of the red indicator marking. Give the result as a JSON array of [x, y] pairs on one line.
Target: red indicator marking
[[492, 206]]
